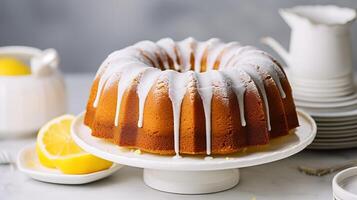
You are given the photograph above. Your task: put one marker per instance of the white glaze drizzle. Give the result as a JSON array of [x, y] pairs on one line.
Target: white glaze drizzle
[[125, 80], [251, 71], [117, 68], [239, 89], [206, 92], [256, 57], [147, 80], [177, 89], [136, 62], [206, 82]]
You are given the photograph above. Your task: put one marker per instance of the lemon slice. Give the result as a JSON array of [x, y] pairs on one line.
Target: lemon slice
[[12, 67], [56, 149]]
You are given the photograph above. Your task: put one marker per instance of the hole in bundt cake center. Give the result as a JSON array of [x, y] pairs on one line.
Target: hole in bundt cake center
[[182, 66]]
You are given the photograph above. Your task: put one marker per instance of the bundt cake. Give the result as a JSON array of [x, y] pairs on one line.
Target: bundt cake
[[190, 97]]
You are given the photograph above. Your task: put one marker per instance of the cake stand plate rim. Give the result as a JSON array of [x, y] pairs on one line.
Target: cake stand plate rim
[[81, 134]]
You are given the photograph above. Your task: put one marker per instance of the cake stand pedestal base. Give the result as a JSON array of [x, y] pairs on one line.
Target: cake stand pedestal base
[[191, 182]]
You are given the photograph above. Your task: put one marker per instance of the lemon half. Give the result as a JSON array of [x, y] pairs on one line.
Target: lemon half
[[56, 149], [13, 67]]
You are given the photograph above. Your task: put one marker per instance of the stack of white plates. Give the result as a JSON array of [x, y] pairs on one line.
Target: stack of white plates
[[333, 105], [320, 89]]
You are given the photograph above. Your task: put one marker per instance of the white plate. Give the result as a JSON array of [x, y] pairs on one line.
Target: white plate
[[331, 147], [351, 136], [346, 112], [314, 95], [326, 100], [341, 80], [324, 88], [335, 143], [322, 85], [336, 104], [320, 91], [337, 120], [337, 136], [344, 184], [337, 80], [336, 132], [337, 128], [319, 99], [336, 124], [336, 140], [307, 94], [337, 114], [278, 149], [28, 163]]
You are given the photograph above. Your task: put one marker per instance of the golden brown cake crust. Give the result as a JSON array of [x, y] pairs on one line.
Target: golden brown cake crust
[[156, 135]]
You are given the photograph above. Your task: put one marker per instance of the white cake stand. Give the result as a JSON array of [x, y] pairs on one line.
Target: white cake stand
[[192, 174]]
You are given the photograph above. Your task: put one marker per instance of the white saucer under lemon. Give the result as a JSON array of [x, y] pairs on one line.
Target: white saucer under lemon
[[28, 163]]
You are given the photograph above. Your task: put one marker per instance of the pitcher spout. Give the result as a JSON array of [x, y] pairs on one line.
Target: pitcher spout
[[290, 17], [326, 15]]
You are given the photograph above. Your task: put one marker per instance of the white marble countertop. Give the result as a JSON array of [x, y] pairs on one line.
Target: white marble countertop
[[277, 180]]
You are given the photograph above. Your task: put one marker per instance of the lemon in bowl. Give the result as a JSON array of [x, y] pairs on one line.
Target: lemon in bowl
[[10, 66], [56, 149]]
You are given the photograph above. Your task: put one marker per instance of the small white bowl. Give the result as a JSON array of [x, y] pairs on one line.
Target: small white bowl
[[28, 163], [29, 101], [343, 183]]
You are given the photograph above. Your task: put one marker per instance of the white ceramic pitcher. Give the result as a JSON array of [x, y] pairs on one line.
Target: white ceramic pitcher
[[320, 43], [28, 102]]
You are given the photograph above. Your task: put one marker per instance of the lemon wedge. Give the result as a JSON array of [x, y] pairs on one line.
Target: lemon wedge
[[12, 67], [56, 149]]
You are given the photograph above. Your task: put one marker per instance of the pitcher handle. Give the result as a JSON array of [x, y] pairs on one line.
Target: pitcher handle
[[272, 43], [45, 63]]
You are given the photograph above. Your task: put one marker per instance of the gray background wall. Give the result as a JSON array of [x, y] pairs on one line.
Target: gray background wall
[[86, 31]]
